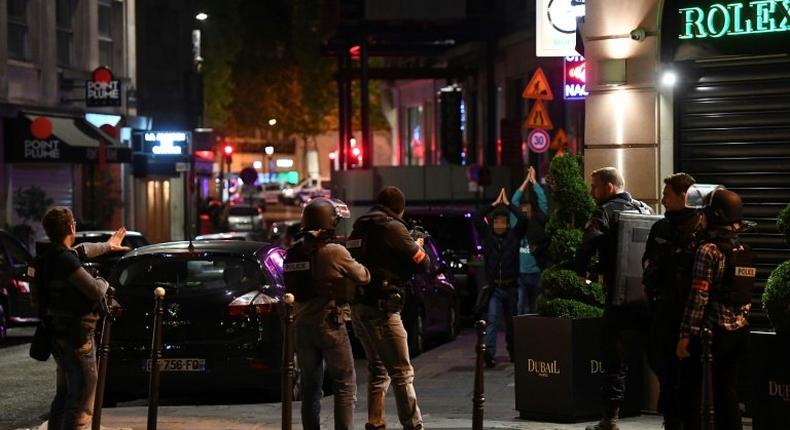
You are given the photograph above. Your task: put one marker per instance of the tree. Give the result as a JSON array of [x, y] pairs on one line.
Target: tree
[[571, 206]]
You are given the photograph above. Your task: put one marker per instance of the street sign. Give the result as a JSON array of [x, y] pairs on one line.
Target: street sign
[[539, 117], [538, 87], [538, 140], [560, 142]]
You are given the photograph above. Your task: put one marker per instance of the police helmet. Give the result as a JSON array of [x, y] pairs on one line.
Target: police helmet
[[323, 214], [725, 208]]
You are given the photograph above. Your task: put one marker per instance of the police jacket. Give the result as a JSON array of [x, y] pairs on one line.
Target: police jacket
[[67, 295], [324, 265], [600, 235], [669, 257], [381, 242], [501, 252]]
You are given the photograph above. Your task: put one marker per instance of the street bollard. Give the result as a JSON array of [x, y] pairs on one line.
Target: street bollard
[[288, 370], [104, 352], [479, 394], [156, 356], [708, 412]]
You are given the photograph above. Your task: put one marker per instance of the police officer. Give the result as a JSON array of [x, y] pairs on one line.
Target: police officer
[[667, 264], [600, 236], [68, 298], [382, 242], [721, 292], [323, 277]]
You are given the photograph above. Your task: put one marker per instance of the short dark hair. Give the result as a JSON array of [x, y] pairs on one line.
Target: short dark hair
[[500, 213], [609, 175], [57, 223], [679, 182], [392, 198]]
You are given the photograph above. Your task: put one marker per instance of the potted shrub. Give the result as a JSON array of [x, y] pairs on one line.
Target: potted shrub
[[558, 358], [771, 378]]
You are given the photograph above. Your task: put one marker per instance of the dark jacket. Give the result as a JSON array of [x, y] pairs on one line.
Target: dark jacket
[[600, 236], [386, 248], [669, 257], [501, 252]]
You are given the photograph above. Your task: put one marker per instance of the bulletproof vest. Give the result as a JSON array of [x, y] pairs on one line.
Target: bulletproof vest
[[301, 281], [737, 285], [366, 245], [669, 278]]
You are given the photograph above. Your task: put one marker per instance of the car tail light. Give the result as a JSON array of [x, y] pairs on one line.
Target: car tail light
[[253, 302], [116, 310], [22, 286]]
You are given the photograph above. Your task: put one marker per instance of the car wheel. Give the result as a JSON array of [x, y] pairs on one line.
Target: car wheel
[[3, 322], [416, 334], [452, 321]]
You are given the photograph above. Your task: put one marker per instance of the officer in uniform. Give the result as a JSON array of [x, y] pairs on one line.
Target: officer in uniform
[[723, 280], [600, 236], [667, 264], [323, 277], [69, 302], [382, 242]]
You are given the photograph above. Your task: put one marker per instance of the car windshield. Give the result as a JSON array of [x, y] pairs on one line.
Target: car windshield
[[130, 241], [210, 273], [243, 211], [450, 232]]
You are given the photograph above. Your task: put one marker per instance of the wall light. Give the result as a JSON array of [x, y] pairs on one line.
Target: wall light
[[669, 78]]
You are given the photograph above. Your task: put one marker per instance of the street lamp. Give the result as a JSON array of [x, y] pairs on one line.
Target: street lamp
[[272, 122], [269, 151]]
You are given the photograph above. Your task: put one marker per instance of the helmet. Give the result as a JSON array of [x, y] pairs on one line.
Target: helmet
[[323, 214], [725, 208], [698, 195]]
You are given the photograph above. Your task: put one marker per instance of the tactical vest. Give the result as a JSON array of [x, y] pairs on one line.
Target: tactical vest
[[300, 279], [362, 246], [737, 284]]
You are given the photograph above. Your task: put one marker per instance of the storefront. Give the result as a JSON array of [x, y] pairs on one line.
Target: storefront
[[72, 162]]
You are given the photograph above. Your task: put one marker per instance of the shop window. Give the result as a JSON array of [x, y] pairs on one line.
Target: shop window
[[413, 153], [64, 17], [18, 38], [105, 33]]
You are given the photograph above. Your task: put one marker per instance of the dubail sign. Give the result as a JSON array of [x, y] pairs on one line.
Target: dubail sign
[[739, 18], [543, 368]]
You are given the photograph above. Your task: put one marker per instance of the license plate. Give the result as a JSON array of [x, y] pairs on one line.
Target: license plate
[[178, 365]]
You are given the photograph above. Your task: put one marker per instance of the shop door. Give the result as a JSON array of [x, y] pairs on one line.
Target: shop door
[[153, 210], [732, 125]]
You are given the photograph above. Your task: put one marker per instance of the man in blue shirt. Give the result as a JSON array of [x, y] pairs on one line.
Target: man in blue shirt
[[532, 248]]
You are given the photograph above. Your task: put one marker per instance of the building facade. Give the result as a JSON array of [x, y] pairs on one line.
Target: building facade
[[62, 118]]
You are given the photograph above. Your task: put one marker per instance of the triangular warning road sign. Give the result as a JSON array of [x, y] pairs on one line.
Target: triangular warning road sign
[[539, 117], [560, 142], [538, 87]]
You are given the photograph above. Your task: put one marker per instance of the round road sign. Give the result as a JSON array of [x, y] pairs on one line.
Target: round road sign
[[538, 140]]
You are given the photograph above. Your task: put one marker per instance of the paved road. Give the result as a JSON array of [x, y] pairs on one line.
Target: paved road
[[444, 386]]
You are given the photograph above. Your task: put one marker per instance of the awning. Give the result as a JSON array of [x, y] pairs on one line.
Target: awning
[[33, 137]]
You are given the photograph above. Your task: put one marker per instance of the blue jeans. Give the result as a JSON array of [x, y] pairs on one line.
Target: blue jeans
[[75, 390], [502, 304], [326, 345], [528, 290]]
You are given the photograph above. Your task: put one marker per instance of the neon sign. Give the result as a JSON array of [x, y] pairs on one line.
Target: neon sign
[[575, 84], [166, 143], [735, 19]]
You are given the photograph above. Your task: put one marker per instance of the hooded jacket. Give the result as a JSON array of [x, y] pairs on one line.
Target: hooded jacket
[[501, 252]]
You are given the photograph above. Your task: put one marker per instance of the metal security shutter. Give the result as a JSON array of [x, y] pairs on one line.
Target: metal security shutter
[[55, 179], [733, 128]]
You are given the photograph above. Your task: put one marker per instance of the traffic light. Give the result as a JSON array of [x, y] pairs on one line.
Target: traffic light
[[228, 153]]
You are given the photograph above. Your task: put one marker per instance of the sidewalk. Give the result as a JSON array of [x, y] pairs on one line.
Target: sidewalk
[[444, 384]]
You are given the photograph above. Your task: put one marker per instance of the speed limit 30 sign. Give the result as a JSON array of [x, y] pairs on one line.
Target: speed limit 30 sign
[[538, 140]]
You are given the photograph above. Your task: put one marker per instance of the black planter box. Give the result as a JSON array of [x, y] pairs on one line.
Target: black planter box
[[769, 358], [559, 371]]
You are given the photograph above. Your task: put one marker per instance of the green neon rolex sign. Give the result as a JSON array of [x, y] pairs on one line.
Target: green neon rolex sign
[[738, 18]]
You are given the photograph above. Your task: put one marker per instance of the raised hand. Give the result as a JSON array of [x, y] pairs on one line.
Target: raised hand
[[116, 239]]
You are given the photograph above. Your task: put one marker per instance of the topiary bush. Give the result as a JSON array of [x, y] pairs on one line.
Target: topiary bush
[[571, 205], [783, 223], [776, 298]]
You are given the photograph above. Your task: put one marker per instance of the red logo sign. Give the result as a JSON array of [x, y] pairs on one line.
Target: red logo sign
[[41, 128], [575, 85]]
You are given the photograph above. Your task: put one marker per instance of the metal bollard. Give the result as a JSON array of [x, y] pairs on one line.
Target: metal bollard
[[156, 355], [104, 352], [479, 398], [708, 412], [288, 370]]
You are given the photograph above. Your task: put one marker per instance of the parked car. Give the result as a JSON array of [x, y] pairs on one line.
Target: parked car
[[305, 191], [16, 306], [454, 230], [431, 305], [244, 218], [272, 193], [250, 236], [280, 228], [221, 324]]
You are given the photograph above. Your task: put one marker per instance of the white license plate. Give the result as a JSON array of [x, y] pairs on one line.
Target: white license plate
[[178, 365]]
